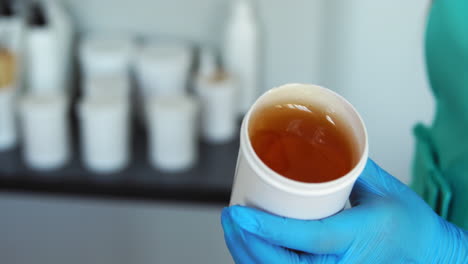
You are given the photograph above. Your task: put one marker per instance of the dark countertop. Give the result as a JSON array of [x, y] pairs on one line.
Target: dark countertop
[[208, 182]]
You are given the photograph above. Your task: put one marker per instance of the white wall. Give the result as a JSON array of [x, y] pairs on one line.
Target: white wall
[[374, 56]]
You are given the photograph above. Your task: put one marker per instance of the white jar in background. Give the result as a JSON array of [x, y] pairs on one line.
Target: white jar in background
[[44, 124], [105, 55], [172, 132], [8, 129], [218, 107], [104, 133], [106, 85], [241, 52], [162, 68]]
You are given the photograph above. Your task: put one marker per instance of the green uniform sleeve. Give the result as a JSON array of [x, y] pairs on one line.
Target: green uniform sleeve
[[440, 168]]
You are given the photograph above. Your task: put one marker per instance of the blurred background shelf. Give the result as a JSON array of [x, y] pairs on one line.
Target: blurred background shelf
[[209, 181]]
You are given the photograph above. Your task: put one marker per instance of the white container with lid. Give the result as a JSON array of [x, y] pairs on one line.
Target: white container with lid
[[105, 55], [110, 85], [105, 133], [162, 68], [218, 99], [172, 132], [45, 131], [217, 93]]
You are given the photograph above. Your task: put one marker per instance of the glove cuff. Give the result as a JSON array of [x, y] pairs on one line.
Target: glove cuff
[[455, 245]]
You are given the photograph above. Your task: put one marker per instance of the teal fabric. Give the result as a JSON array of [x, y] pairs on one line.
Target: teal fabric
[[440, 170], [430, 183]]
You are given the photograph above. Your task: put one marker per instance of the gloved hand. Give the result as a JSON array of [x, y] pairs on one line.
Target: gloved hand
[[388, 223]]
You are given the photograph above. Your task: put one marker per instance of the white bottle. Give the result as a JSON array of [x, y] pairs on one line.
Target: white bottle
[[216, 91], [241, 52], [207, 67], [48, 48], [11, 26], [12, 29], [42, 58], [61, 23], [208, 64]]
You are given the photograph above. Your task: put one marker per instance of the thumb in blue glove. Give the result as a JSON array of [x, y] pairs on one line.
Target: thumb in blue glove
[[388, 223]]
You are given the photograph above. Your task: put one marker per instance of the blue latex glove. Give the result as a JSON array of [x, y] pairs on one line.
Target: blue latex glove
[[388, 223]]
